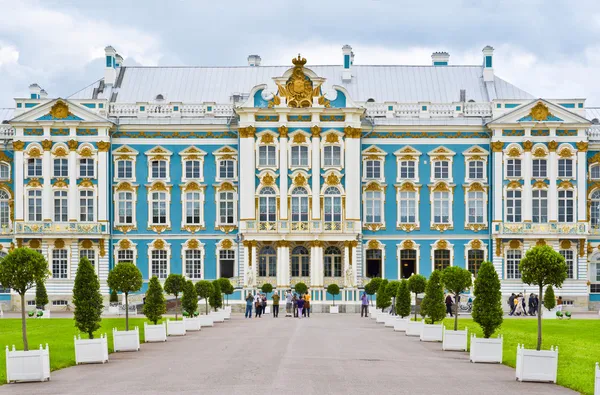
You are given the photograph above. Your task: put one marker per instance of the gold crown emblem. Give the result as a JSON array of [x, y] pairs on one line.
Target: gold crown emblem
[[299, 62]]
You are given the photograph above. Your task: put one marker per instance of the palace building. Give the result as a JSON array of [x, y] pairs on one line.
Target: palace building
[[302, 173]]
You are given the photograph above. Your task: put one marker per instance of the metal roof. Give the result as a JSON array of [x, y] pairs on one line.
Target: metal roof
[[403, 84], [6, 114], [592, 112]]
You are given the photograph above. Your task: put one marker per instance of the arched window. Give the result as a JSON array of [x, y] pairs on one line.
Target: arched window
[[595, 209], [4, 210], [267, 205], [299, 205], [267, 262], [300, 262], [333, 205], [333, 262]]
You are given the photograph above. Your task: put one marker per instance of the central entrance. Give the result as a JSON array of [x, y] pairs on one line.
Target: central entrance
[[374, 263], [408, 263]]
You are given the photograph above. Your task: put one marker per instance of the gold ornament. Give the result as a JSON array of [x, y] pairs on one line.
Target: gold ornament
[[124, 244], [373, 245], [514, 152], [34, 244], [192, 244], [332, 179], [498, 247], [442, 244], [226, 244], [226, 186], [513, 185], [34, 153], [283, 131], [565, 244], [59, 243], [332, 138], [18, 145], [497, 146], [59, 110], [298, 89], [247, 132], [408, 245], [300, 180], [539, 152], [540, 112], [268, 180], [540, 242], [47, 145], [514, 244], [267, 138], [373, 187], [408, 187], [352, 133], [103, 146], [582, 146], [87, 244], [73, 144], [476, 244], [159, 244], [552, 146], [86, 152], [527, 145], [315, 131], [299, 138]]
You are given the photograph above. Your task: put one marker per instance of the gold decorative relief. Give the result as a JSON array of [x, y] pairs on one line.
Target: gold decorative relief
[[87, 244], [540, 242], [527, 145], [476, 227], [498, 247], [441, 187], [193, 228], [124, 244], [540, 112], [193, 244], [476, 244], [407, 227], [565, 153], [374, 227], [125, 187], [476, 187], [582, 247], [332, 179], [315, 131], [60, 152], [247, 132], [332, 138], [298, 89], [352, 133], [35, 244], [300, 180], [566, 185], [283, 131], [226, 228], [441, 227], [226, 186], [408, 245], [159, 244], [373, 245], [268, 180], [34, 153], [565, 244], [408, 187], [552, 146], [539, 152], [267, 138], [59, 243], [158, 228], [226, 244], [373, 187], [582, 146], [442, 244], [315, 243], [86, 152], [47, 145], [125, 228], [514, 152], [59, 110], [18, 145], [299, 138], [73, 144], [159, 187], [540, 184], [86, 183], [514, 184], [34, 183], [514, 244], [103, 146], [497, 146]]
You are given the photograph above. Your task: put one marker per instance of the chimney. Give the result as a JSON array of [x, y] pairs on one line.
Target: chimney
[[440, 58], [488, 69], [43, 94], [110, 74], [348, 60], [118, 60], [463, 95], [34, 91], [254, 60]]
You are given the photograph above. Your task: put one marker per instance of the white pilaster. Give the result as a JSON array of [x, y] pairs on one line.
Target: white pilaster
[[102, 185], [283, 265], [498, 201], [47, 186], [316, 264], [552, 193], [581, 187], [283, 176], [73, 208], [19, 197], [247, 177], [316, 174], [527, 194], [352, 178], [347, 249]]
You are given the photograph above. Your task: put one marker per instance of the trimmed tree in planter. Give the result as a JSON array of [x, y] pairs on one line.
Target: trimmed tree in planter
[[372, 287], [333, 290], [174, 286], [301, 288], [456, 280], [403, 299], [87, 299], [542, 266], [125, 277], [204, 289], [416, 285], [155, 305], [226, 287], [549, 298], [391, 290], [215, 299], [114, 298], [384, 300], [487, 305], [266, 288], [433, 303], [41, 296], [20, 270], [189, 300]]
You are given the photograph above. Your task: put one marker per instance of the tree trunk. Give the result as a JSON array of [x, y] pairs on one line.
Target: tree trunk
[[334, 300], [24, 324], [415, 306], [176, 305], [456, 312], [539, 339], [206, 301], [126, 312]]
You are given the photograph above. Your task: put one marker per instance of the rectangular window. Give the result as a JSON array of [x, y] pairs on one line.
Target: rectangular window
[[332, 155], [513, 258], [193, 169], [333, 266], [570, 261], [125, 208], [125, 256], [34, 167], [566, 203], [373, 207], [407, 207], [476, 207], [61, 203], [441, 259], [441, 207], [193, 208], [299, 155], [441, 169], [476, 169], [61, 168], [4, 171], [125, 169], [540, 168], [226, 208], [86, 206], [373, 169], [565, 168], [226, 169], [193, 264], [407, 170], [540, 206], [90, 255], [266, 155], [227, 263], [158, 169], [86, 168], [59, 264], [158, 264], [34, 205], [4, 210], [475, 258], [513, 168], [513, 206], [159, 208]]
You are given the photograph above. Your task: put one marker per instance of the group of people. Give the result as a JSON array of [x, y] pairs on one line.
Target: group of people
[[520, 306], [295, 304]]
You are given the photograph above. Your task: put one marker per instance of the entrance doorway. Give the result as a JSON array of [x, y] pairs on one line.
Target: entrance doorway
[[374, 261], [408, 263]]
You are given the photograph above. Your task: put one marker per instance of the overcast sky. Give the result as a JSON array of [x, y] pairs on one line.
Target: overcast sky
[[548, 48]]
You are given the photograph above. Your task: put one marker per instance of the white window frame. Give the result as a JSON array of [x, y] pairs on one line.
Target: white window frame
[[60, 175], [339, 143], [226, 153], [200, 249], [376, 163], [124, 161], [506, 208], [41, 206], [220, 163], [189, 155], [406, 154], [218, 208], [93, 167], [67, 259], [573, 257], [117, 201], [159, 153], [381, 200], [64, 216], [563, 169], [167, 201], [539, 199], [234, 250], [94, 205], [261, 142], [399, 199], [96, 257], [437, 246], [35, 167], [300, 148], [573, 201], [539, 176], [167, 250], [124, 152], [8, 167], [473, 163], [5, 202], [507, 256], [511, 163], [132, 248], [470, 201], [432, 196], [592, 168], [184, 202]]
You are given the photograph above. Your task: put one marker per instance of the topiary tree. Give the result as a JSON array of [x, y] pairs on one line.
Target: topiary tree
[[372, 287], [41, 296], [301, 288], [542, 266], [403, 299], [433, 303], [266, 288], [391, 290], [215, 299], [549, 298], [456, 280], [333, 290], [226, 287], [204, 289], [174, 286], [416, 285], [114, 298], [125, 277], [487, 305], [189, 300], [20, 270], [87, 299], [156, 304], [384, 300]]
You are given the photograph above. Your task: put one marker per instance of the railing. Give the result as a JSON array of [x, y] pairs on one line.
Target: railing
[[547, 228], [289, 226], [478, 109], [299, 226], [169, 110], [442, 110], [407, 110], [7, 131], [593, 133], [376, 109], [416, 110], [53, 227]]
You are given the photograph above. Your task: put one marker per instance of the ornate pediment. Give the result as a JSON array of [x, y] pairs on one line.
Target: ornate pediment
[[299, 88]]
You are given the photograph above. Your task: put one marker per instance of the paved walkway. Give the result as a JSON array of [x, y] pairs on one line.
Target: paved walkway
[[322, 355]]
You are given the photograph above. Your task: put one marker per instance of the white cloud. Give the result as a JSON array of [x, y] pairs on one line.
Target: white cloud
[[8, 55]]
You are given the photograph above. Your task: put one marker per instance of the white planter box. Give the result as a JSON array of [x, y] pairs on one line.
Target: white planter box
[[46, 314], [126, 340], [455, 340], [217, 316], [91, 350], [431, 333], [486, 350], [267, 310], [390, 320], [548, 314], [113, 310], [155, 333], [175, 328], [374, 313], [533, 365], [381, 317], [192, 324], [400, 324], [206, 320], [597, 386], [334, 309], [33, 365], [413, 328]]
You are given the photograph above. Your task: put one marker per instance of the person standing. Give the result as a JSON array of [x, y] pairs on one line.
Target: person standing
[[249, 302], [295, 305], [559, 303], [300, 303], [288, 303], [257, 305], [524, 305], [536, 305], [531, 304], [263, 302], [511, 304], [449, 304], [306, 310], [364, 307], [275, 298]]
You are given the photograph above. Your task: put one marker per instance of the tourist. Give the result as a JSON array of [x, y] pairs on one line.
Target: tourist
[[275, 298], [306, 310], [531, 304], [288, 303], [524, 304], [536, 305], [364, 308], [263, 302], [249, 302], [519, 305], [300, 303], [257, 305], [559, 303], [295, 305], [449, 304], [511, 304]]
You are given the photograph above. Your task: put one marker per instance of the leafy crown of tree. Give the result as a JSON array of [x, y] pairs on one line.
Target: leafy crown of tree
[[433, 303], [215, 299], [300, 288], [266, 288], [416, 285], [204, 289], [372, 286], [155, 305], [403, 299], [456, 280], [487, 305], [125, 277], [189, 300]]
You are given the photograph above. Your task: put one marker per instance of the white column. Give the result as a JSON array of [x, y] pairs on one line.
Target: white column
[[352, 177], [320, 269], [527, 194], [354, 264], [581, 185], [283, 173], [253, 262], [73, 208], [283, 263], [247, 177], [347, 249], [498, 201], [19, 196], [47, 188], [103, 148], [316, 173], [316, 263], [552, 194]]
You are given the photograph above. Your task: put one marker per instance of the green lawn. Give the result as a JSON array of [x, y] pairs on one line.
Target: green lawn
[[58, 333], [578, 344]]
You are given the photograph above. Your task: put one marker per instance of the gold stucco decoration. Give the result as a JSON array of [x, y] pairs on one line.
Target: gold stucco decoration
[[332, 138], [34, 153], [442, 244], [540, 112], [124, 244], [226, 186], [540, 242], [408, 245], [476, 244], [59, 243], [373, 187], [565, 244], [527, 145], [373, 245], [565, 153], [565, 185], [552, 146], [283, 131], [73, 144], [298, 89], [267, 138], [408, 187], [103, 146], [87, 244], [192, 244], [300, 180], [18, 145], [315, 131], [159, 244], [247, 132], [582, 146], [34, 244], [59, 110], [514, 152], [332, 179], [226, 244], [268, 180], [514, 244], [514, 185], [539, 152], [299, 138], [47, 145]]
